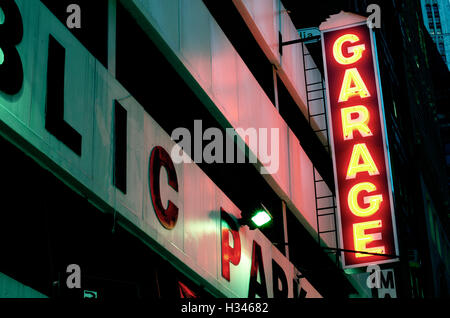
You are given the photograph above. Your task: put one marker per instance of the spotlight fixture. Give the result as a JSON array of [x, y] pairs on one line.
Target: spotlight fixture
[[257, 219]]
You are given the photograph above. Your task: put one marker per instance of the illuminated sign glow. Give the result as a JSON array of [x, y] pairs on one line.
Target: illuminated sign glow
[[359, 123], [356, 50], [362, 175], [359, 152], [261, 218], [353, 85]]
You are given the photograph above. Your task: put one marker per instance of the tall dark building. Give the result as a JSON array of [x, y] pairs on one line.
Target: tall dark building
[[183, 149], [416, 98]]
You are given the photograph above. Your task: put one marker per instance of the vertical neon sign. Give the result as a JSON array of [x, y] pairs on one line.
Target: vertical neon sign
[[360, 157]]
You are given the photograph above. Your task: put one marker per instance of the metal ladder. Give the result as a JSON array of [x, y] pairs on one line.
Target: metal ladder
[[325, 201]]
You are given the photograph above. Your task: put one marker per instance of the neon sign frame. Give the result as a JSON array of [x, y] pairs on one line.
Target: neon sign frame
[[384, 224]]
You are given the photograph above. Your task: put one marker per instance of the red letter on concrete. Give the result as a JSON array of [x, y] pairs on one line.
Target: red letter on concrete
[[229, 254]]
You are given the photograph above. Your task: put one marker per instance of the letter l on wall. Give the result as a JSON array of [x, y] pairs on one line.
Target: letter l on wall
[[54, 108]]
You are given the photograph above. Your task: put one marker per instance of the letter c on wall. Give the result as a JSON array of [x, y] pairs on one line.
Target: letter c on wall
[[160, 158]]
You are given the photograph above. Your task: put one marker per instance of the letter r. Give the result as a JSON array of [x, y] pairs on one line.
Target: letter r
[[360, 123]]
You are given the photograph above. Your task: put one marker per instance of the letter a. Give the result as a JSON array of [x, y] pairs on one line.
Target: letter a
[[374, 20], [353, 85], [74, 279], [74, 20], [360, 152], [373, 281]]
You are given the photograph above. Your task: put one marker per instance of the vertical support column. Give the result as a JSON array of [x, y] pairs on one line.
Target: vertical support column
[[275, 87], [286, 241], [112, 5]]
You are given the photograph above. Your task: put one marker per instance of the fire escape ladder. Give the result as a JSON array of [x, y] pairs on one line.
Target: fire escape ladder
[[325, 201]]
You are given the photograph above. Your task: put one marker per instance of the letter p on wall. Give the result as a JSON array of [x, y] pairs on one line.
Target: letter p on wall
[[230, 254]]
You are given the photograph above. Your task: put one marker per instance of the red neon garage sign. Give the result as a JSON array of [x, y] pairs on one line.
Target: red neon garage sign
[[357, 134]]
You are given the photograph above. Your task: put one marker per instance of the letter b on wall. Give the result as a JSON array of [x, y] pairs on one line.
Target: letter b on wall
[[11, 32]]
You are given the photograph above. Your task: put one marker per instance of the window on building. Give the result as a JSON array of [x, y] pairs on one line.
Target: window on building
[[436, 11], [438, 28], [431, 27], [447, 149], [437, 18], [429, 12]]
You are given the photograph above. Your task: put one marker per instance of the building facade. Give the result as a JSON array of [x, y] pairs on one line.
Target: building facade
[[102, 203], [415, 96], [436, 17]]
